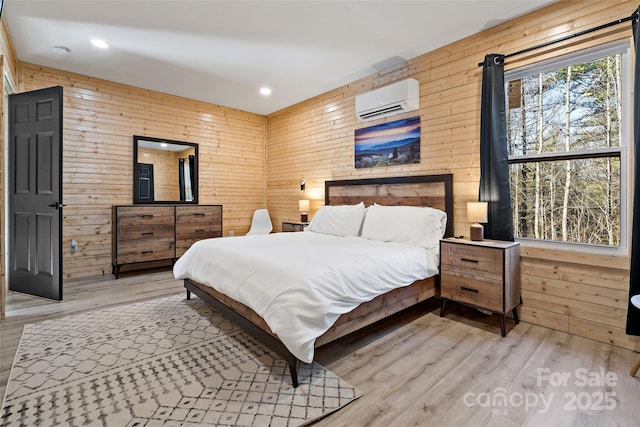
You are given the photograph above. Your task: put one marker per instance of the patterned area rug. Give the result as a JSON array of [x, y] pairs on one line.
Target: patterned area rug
[[165, 362]]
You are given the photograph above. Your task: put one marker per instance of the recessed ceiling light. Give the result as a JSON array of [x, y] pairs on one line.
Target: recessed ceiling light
[[60, 48], [100, 43], [265, 91]]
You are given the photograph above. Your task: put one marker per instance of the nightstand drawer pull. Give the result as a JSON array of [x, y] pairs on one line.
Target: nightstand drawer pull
[[148, 233], [468, 289], [147, 216], [200, 230], [146, 252], [475, 261], [199, 214]]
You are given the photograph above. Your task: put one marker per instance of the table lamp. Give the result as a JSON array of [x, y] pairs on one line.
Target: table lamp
[[477, 213], [303, 207]]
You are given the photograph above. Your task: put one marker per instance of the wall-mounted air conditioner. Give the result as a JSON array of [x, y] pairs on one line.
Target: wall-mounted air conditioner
[[396, 98]]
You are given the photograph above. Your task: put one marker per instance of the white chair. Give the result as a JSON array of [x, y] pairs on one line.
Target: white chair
[[261, 223], [635, 300]]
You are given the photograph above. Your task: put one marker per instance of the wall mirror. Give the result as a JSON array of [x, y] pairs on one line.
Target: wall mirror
[[164, 171]]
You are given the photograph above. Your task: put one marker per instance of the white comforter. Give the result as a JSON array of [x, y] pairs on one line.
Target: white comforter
[[299, 283]]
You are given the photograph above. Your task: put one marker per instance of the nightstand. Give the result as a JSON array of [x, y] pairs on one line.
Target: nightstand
[[293, 226], [483, 274]]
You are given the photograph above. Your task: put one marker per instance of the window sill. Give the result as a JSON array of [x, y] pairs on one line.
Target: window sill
[[617, 258]]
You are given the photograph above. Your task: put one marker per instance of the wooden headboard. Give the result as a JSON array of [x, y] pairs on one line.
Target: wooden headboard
[[434, 191]]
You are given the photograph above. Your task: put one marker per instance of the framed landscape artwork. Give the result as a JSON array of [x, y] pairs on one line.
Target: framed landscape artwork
[[388, 144]]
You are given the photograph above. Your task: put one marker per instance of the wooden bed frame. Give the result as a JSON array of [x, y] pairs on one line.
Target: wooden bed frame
[[425, 190]]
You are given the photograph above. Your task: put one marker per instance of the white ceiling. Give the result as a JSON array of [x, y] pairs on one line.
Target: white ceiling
[[222, 52]]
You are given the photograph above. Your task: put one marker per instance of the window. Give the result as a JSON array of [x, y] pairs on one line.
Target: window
[[567, 153]]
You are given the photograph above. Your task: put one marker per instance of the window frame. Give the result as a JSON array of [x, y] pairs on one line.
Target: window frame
[[622, 47]]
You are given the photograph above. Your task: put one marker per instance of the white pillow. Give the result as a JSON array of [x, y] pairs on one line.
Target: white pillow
[[405, 224], [342, 220]]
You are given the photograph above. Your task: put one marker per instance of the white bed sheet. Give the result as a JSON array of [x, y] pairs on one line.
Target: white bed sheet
[[300, 283]]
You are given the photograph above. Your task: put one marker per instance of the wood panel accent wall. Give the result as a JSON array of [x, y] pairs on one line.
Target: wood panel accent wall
[[575, 292], [100, 119]]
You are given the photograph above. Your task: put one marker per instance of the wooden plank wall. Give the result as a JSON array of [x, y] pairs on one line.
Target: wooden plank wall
[[100, 119], [579, 293]]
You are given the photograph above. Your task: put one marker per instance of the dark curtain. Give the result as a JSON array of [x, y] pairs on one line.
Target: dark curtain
[[192, 174], [181, 179], [494, 155], [633, 316]]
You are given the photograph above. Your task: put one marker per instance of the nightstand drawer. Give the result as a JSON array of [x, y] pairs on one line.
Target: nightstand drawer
[[472, 290], [472, 258], [288, 226]]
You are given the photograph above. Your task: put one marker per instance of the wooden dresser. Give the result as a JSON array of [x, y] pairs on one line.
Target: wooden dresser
[[483, 274], [145, 233]]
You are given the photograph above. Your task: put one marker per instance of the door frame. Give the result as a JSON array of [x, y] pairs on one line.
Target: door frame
[[7, 88]]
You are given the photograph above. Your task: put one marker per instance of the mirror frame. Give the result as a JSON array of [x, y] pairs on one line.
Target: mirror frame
[[137, 138]]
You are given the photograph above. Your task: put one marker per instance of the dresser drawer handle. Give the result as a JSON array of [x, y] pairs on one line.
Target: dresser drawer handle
[[469, 289], [200, 230], [199, 214], [146, 252], [475, 261], [146, 216], [148, 233]]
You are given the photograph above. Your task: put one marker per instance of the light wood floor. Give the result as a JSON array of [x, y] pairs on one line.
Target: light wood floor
[[417, 368]]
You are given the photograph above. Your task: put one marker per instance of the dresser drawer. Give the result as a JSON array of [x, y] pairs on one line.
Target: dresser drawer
[[184, 244], [198, 231], [145, 251], [199, 215], [472, 290], [472, 258], [188, 234], [144, 232], [145, 216]]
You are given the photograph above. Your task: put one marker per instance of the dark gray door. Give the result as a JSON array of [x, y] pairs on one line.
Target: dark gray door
[[35, 192], [145, 183]]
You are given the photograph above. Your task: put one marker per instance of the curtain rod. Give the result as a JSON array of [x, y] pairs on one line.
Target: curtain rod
[[581, 33]]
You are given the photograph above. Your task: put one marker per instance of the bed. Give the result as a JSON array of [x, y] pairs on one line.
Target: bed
[[414, 283]]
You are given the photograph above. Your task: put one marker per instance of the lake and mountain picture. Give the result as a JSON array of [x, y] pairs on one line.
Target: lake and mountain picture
[[388, 144]]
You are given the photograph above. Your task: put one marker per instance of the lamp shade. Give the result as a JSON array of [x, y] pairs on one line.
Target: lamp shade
[[477, 211], [303, 205]]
